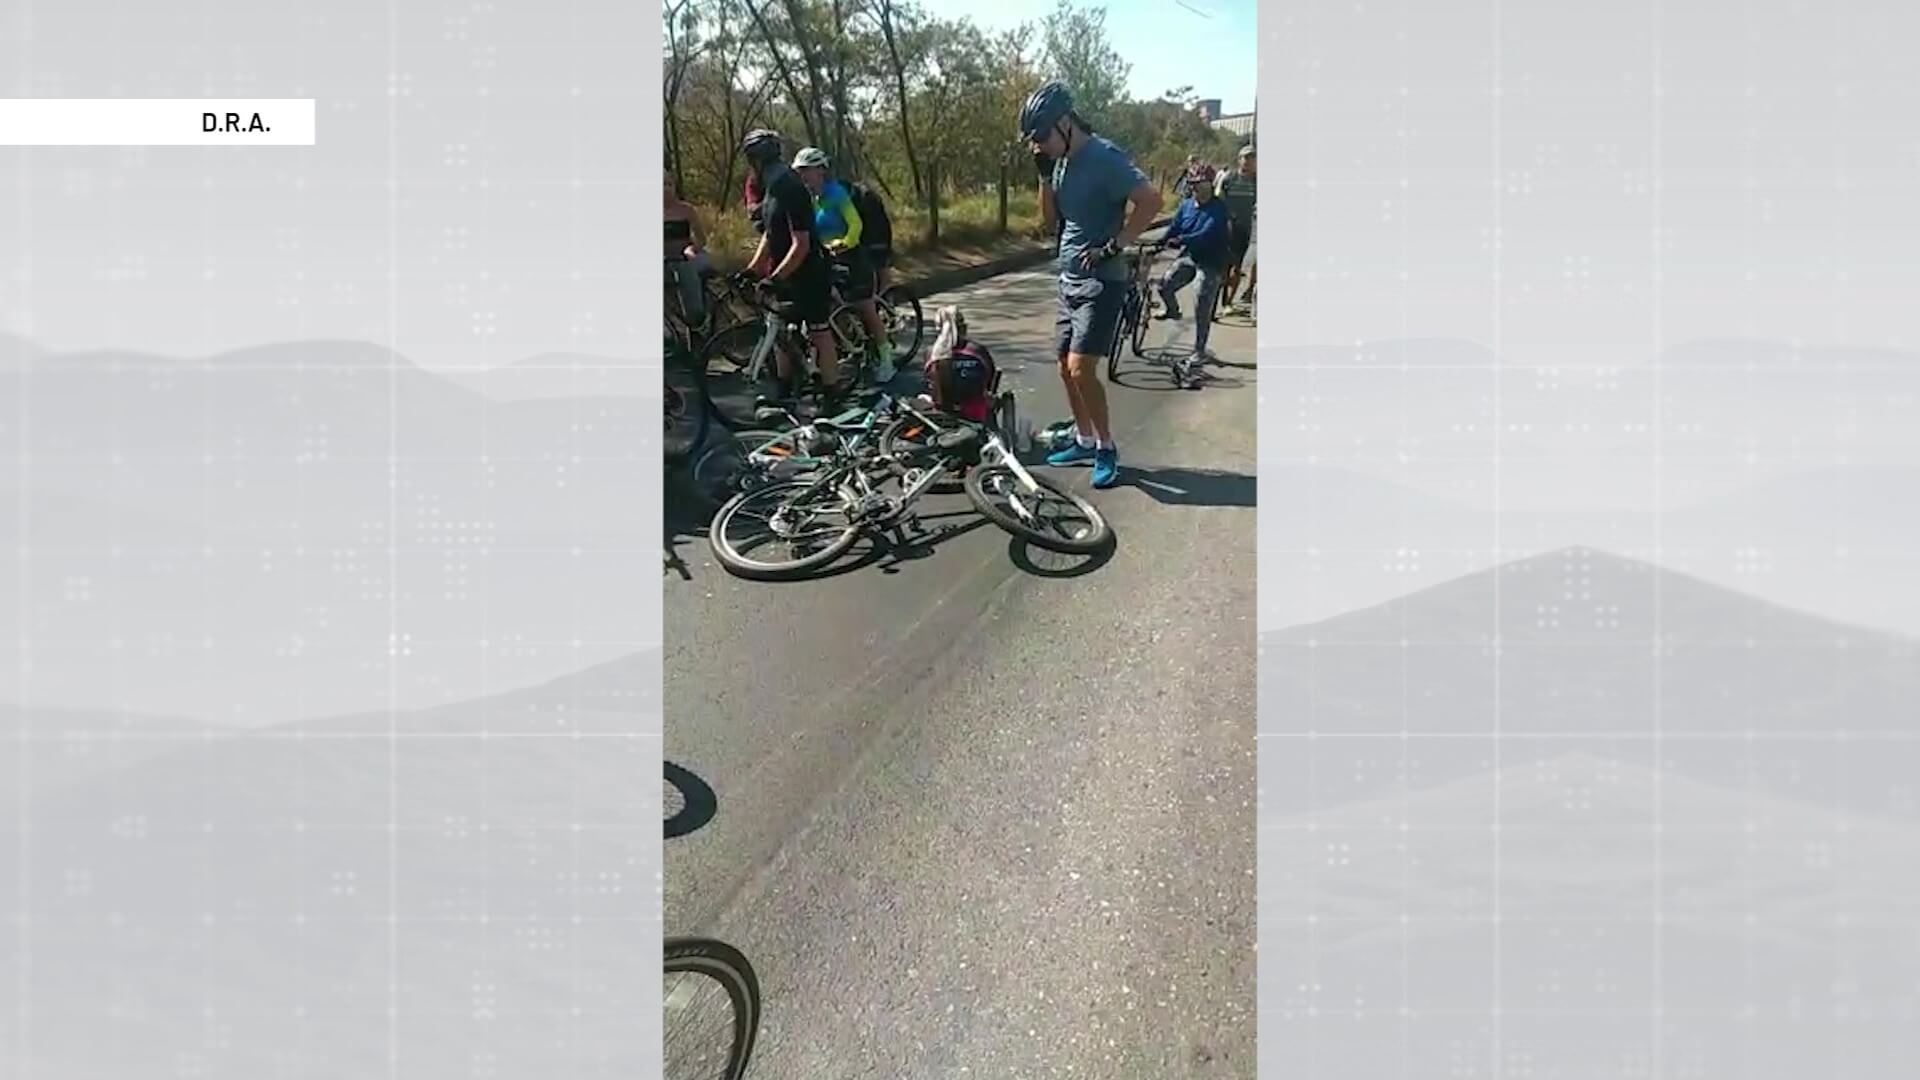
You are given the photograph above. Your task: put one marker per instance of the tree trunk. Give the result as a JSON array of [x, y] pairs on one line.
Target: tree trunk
[[803, 38], [900, 92], [1003, 193], [933, 201], [780, 65]]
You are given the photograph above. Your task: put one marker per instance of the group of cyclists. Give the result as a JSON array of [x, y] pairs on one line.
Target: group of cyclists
[[807, 221], [1094, 199]]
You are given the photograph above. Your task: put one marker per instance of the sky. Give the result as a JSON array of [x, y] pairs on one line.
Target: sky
[[1167, 43]]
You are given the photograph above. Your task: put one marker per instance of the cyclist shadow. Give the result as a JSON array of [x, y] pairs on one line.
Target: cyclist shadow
[[1157, 375], [684, 519], [1193, 487], [698, 803]]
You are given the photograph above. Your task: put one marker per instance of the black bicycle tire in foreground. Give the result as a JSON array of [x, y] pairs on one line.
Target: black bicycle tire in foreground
[[726, 966]]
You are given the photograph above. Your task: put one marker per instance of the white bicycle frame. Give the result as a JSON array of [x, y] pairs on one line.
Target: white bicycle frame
[[763, 350]]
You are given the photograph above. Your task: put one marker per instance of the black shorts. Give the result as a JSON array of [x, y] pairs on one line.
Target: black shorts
[[809, 293], [881, 256], [859, 266], [1239, 238]]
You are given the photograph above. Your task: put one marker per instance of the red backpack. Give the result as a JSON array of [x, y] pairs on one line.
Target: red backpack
[[962, 382]]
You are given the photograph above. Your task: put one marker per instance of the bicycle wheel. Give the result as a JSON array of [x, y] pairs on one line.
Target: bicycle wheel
[[711, 997], [900, 313], [812, 524], [729, 467], [1129, 314], [725, 364], [1142, 316], [850, 336], [907, 436], [1033, 513], [687, 412], [910, 438]]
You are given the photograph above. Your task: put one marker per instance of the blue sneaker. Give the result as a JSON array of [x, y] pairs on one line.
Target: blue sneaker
[[1071, 454], [1106, 467]]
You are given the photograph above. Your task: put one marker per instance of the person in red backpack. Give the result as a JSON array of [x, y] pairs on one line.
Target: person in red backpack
[[959, 372]]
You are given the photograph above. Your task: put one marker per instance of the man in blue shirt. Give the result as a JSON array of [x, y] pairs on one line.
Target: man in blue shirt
[[1199, 228], [1093, 183]]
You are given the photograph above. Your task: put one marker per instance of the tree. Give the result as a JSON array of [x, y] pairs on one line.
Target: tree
[[1079, 54]]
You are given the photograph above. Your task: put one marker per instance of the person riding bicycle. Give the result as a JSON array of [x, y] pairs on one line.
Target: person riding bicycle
[[836, 224], [1240, 191], [1094, 181], [686, 256], [790, 260], [1199, 230]]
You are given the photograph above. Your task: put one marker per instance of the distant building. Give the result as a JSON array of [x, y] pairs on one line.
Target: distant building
[[1240, 124], [1208, 108]]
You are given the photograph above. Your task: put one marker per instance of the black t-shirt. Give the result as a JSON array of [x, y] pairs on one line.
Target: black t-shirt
[[787, 211]]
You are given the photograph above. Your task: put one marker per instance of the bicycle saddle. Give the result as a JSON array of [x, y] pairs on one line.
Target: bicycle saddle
[[957, 440]]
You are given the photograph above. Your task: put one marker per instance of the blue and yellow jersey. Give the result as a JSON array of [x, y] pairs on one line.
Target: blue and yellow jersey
[[835, 220]]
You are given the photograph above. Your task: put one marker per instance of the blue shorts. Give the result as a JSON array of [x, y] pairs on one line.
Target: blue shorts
[[1089, 315]]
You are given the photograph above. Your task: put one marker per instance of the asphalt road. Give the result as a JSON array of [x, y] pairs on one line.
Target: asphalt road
[[982, 813]]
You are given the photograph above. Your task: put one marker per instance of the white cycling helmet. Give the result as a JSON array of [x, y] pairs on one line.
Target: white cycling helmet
[[811, 157]]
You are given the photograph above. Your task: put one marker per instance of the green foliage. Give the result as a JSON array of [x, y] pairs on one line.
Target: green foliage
[[894, 95]]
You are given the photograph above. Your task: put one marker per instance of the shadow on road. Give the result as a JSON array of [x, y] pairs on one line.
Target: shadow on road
[[685, 514], [690, 802], [921, 545], [1193, 487], [1054, 564]]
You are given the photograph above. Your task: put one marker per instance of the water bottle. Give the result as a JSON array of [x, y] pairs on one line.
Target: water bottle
[[1023, 434]]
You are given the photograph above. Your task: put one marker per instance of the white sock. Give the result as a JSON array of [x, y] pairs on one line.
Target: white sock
[[1107, 444], [1085, 440]]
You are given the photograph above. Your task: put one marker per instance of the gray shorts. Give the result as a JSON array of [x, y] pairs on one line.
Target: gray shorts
[[1089, 315]]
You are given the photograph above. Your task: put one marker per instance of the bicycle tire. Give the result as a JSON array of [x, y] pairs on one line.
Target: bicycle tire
[[739, 565], [696, 407], [727, 966], [1096, 539], [850, 337], [1120, 335], [722, 365], [899, 298], [898, 436], [713, 489], [897, 440], [1142, 316]]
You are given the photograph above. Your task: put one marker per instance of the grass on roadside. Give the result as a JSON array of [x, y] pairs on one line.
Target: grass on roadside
[[968, 223]]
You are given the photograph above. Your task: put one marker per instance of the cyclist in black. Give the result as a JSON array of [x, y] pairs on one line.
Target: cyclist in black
[[789, 259]]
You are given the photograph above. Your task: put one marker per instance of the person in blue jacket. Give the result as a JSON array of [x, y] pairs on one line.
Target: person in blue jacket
[[1199, 230]]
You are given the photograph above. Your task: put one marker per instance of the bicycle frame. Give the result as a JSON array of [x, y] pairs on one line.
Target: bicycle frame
[[869, 419], [777, 327]]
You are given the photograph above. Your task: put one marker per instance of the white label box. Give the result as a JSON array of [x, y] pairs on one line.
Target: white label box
[[156, 121]]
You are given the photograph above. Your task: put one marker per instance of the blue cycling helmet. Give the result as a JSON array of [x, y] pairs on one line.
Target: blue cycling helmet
[[1046, 107]]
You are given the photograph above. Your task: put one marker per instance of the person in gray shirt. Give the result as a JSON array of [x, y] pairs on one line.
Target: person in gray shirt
[[1238, 191], [1103, 202]]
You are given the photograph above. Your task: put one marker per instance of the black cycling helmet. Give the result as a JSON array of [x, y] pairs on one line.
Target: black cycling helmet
[[761, 146], [1045, 107]]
